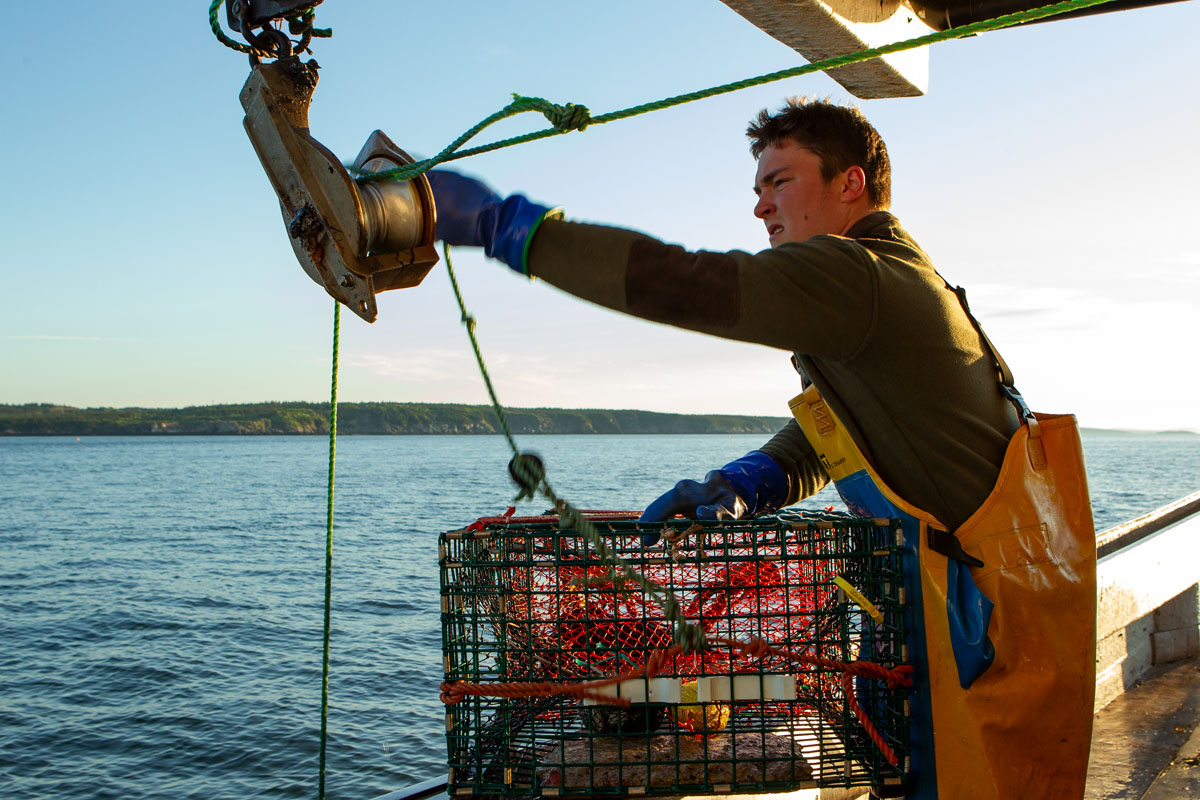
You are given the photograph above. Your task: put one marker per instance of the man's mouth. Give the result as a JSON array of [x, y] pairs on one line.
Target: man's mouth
[[773, 229]]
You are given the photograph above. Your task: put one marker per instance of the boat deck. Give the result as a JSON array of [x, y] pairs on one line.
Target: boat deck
[[1146, 743]]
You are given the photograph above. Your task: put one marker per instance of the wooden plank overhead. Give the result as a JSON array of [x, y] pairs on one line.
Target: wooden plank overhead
[[818, 30]]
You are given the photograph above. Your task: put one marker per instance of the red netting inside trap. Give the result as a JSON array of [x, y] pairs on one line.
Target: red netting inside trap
[[566, 618]]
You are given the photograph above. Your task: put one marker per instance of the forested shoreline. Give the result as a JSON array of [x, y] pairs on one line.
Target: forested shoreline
[[46, 419], [42, 419]]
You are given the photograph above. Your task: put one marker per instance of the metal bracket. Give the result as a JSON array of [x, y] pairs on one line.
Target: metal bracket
[[353, 240], [257, 13]]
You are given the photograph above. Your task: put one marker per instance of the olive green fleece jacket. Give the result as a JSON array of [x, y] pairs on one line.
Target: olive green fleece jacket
[[871, 324]]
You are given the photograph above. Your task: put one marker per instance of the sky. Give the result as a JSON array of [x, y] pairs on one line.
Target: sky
[[1051, 170]]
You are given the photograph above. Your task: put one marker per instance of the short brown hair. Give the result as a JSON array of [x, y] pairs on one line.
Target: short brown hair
[[841, 136]]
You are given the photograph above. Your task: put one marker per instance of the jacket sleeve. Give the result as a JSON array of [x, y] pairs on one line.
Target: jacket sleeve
[[790, 448], [818, 296]]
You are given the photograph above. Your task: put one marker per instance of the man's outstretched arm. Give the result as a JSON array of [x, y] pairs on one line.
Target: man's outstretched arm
[[817, 296]]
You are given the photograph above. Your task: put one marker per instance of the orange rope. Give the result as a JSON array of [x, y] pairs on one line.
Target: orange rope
[[901, 676]]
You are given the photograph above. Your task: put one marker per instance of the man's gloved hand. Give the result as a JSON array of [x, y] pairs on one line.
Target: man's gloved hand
[[754, 484], [469, 212]]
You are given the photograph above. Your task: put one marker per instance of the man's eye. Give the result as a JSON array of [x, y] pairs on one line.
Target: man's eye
[[779, 182]]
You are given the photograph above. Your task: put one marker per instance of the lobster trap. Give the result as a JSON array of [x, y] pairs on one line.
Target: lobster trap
[[563, 678]]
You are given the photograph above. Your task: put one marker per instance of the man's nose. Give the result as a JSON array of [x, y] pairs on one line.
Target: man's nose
[[763, 207]]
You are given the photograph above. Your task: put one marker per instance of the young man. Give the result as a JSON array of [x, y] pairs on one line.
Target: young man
[[906, 408], [843, 287]]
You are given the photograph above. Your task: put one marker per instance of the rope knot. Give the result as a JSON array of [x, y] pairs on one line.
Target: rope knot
[[528, 472], [303, 24], [449, 696], [901, 676], [571, 117]]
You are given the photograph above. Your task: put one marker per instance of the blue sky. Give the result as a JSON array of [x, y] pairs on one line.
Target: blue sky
[[1051, 170]]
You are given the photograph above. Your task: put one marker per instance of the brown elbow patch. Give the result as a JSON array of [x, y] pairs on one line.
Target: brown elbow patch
[[669, 284]]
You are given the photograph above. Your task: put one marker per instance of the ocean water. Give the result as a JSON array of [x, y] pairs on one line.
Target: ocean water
[[161, 599]]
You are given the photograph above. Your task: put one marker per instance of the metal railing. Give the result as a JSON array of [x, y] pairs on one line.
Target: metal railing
[[1133, 531]]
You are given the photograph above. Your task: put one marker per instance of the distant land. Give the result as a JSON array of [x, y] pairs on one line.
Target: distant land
[[44, 419], [41, 419]]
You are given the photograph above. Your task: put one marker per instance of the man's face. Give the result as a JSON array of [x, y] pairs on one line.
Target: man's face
[[794, 201]]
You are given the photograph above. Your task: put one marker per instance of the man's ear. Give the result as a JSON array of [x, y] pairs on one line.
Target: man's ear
[[854, 184]]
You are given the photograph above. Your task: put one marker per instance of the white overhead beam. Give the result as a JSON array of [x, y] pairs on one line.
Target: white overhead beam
[[819, 30]]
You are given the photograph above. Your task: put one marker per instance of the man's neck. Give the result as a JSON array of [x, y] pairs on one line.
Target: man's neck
[[861, 222]]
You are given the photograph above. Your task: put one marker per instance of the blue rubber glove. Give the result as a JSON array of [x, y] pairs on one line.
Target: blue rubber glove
[[754, 484], [469, 212]]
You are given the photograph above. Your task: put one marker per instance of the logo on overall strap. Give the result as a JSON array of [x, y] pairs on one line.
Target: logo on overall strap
[[822, 417], [829, 465]]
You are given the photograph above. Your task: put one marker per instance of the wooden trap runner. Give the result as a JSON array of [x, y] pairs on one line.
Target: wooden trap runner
[[561, 681]]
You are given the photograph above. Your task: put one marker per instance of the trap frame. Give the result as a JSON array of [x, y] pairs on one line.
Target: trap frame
[[533, 621]]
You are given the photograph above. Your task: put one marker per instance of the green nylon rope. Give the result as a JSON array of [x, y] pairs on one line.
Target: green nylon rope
[[233, 44], [337, 322], [689, 637], [574, 117], [570, 117]]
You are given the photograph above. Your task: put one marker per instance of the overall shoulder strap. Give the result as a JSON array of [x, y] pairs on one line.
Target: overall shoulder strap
[[1037, 453], [1004, 374]]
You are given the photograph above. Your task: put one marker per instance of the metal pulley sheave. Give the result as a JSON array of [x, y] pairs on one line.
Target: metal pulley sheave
[[355, 240]]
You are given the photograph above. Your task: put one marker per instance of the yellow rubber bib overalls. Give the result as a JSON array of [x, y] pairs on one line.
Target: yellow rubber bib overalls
[[1001, 613]]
